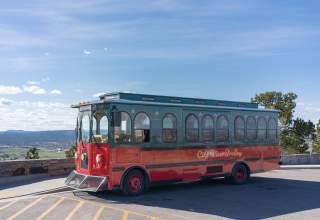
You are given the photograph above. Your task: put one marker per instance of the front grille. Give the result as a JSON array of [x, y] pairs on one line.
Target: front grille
[[81, 182]]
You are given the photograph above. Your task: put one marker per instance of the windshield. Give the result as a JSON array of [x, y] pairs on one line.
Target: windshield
[[85, 128], [93, 128], [100, 128]]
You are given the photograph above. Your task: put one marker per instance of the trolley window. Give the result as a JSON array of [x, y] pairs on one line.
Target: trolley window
[[192, 128], [169, 128], [85, 128], [142, 128], [207, 128], [251, 128], [272, 129], [122, 132], [239, 128], [262, 128], [100, 128], [222, 129]]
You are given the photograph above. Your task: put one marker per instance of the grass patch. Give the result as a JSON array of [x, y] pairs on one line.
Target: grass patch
[[19, 153]]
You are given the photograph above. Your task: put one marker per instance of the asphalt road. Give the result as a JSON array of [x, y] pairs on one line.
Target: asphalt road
[[282, 194]]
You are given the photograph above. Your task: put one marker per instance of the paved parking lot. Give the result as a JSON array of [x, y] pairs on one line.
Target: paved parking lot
[[282, 194]]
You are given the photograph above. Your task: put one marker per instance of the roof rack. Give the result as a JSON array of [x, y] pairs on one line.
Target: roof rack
[[173, 99]]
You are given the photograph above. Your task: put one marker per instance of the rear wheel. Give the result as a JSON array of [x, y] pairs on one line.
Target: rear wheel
[[240, 174], [134, 183]]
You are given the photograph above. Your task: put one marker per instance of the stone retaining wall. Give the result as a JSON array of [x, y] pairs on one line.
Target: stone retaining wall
[[51, 167], [57, 167], [301, 159]]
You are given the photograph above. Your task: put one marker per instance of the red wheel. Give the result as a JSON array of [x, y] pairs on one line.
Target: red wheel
[[134, 183], [240, 174]]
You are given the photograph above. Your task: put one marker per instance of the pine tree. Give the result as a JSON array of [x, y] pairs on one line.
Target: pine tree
[[316, 143], [71, 152], [32, 154]]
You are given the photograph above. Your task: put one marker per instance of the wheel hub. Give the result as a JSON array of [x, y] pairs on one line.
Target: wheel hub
[[240, 174], [135, 183]]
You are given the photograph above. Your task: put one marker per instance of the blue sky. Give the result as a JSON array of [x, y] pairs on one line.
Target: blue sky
[[55, 53]]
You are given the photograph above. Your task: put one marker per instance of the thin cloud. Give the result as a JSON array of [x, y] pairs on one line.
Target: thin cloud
[[10, 90], [26, 115], [86, 52], [36, 90], [30, 82], [56, 92]]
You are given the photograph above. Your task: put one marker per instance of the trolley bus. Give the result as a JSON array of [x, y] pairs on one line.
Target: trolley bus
[[132, 141]]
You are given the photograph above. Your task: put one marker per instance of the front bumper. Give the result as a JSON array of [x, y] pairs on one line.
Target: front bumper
[[81, 182]]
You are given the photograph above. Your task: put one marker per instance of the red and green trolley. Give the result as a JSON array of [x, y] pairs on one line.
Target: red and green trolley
[[132, 141]]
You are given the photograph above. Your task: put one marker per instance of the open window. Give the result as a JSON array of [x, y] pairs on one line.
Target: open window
[[122, 129], [142, 128]]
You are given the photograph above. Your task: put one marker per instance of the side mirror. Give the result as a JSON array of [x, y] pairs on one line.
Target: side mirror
[[117, 119]]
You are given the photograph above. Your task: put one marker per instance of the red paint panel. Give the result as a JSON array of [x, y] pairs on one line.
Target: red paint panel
[[173, 164]]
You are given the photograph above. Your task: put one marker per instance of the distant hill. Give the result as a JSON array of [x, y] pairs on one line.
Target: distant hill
[[47, 139]]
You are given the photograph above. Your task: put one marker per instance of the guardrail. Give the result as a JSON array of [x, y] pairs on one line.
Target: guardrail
[[50, 167], [301, 159]]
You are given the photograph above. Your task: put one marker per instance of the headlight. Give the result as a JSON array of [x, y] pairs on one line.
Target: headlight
[[99, 158], [84, 156]]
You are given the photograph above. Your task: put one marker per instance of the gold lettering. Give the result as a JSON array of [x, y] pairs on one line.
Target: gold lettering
[[206, 154]]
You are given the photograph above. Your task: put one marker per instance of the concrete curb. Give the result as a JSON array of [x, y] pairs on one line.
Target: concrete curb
[[299, 167], [45, 192]]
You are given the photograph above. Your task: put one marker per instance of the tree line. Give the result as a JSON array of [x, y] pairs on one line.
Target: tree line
[[296, 136]]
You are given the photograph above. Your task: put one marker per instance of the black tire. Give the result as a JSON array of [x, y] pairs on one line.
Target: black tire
[[134, 183], [240, 175]]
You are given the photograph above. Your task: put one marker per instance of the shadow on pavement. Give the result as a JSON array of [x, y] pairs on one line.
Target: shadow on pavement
[[261, 198], [26, 187], [25, 181]]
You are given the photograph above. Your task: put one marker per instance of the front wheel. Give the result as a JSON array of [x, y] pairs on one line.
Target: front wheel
[[134, 183], [240, 175]]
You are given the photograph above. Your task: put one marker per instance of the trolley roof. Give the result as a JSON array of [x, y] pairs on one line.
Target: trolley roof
[[124, 97]]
